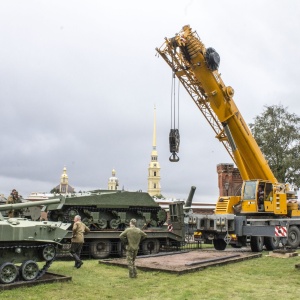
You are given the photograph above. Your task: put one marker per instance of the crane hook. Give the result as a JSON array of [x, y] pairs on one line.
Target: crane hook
[[174, 157], [174, 141]]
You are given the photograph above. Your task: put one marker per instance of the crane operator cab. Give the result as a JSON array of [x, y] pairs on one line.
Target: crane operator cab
[[257, 196], [266, 198]]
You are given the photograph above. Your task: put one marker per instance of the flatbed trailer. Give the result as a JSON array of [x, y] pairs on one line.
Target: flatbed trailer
[[104, 243]]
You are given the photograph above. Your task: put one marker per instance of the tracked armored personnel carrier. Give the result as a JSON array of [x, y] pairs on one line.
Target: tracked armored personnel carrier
[[109, 209], [107, 213], [25, 243]]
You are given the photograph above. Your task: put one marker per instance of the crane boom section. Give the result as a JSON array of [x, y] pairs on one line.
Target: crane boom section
[[196, 67]]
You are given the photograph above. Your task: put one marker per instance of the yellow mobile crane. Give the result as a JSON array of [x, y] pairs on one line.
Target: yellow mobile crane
[[266, 210]]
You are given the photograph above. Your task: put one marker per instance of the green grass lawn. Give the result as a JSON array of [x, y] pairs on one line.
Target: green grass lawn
[[260, 278]]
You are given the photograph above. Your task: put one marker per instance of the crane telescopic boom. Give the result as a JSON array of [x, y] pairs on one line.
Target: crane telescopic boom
[[197, 69]]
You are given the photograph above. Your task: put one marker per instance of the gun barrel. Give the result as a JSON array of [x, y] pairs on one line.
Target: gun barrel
[[28, 204], [189, 200]]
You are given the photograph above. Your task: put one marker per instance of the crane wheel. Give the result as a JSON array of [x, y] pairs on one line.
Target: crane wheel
[[257, 243], [293, 237], [271, 243], [219, 244]]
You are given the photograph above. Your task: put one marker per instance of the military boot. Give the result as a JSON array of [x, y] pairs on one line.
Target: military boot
[[130, 274], [78, 262]]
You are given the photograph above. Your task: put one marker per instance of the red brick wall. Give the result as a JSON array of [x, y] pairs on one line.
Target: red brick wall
[[229, 180]]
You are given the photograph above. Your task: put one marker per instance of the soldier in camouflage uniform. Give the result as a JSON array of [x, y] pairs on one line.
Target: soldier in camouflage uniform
[[79, 229], [131, 237], [12, 199]]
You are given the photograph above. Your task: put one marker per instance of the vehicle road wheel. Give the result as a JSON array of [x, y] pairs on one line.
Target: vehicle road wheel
[[271, 242], [29, 270], [48, 252], [257, 243], [70, 214], [54, 215], [102, 223], [100, 249], [293, 239], [150, 246], [8, 273], [219, 244], [114, 223]]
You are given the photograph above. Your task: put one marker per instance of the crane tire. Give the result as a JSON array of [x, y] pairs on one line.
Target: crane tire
[[219, 244], [293, 239], [271, 243], [257, 243]]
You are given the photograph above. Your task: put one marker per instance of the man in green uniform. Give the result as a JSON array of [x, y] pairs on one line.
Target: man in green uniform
[[131, 237], [12, 199], [79, 229]]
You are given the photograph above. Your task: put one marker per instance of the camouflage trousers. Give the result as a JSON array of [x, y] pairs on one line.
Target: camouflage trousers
[[130, 256]]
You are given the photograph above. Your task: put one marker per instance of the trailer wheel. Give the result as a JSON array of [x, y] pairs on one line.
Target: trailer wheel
[[219, 244], [271, 242], [100, 249], [257, 243], [293, 239], [121, 249], [150, 246]]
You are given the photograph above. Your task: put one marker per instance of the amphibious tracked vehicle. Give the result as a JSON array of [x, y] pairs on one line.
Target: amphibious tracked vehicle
[[24, 243]]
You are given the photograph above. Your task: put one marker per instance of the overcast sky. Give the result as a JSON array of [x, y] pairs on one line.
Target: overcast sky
[[79, 81]]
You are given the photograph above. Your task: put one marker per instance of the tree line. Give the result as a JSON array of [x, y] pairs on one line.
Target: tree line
[[277, 132]]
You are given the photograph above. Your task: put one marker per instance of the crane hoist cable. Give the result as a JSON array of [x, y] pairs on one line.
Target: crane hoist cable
[[174, 137]]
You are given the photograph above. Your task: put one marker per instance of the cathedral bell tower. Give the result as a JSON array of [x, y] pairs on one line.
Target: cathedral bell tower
[[64, 187], [154, 168], [113, 181]]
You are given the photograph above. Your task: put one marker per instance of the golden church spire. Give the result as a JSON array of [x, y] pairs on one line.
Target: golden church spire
[[154, 168]]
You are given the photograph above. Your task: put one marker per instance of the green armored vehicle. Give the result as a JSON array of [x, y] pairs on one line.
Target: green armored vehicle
[[23, 243], [107, 213], [109, 209]]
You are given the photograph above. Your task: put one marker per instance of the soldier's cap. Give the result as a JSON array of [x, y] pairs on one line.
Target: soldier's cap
[[133, 221]]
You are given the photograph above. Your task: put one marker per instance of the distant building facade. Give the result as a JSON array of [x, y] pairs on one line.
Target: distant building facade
[[64, 187], [113, 181], [229, 180], [154, 188]]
